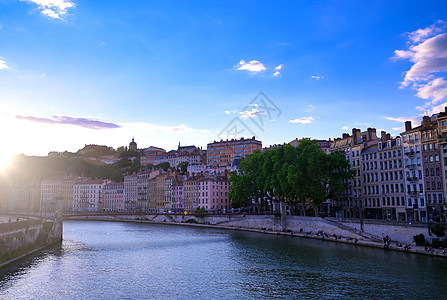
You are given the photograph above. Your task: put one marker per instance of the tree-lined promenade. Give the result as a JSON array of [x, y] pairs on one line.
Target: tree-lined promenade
[[302, 177]]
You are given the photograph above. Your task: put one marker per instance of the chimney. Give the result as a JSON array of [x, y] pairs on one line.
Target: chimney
[[388, 137], [345, 135], [445, 109], [355, 135], [371, 134], [383, 136], [407, 125], [426, 121]]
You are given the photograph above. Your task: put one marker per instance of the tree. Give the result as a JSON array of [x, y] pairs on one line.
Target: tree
[[183, 167], [438, 230], [317, 176], [302, 175], [248, 186], [164, 165]]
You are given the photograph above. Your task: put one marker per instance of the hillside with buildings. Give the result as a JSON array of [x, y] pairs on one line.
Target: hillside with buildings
[[400, 178]]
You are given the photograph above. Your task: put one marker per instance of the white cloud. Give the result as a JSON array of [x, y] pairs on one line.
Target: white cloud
[[278, 68], [436, 109], [414, 120], [309, 108], [316, 77], [398, 128], [254, 112], [252, 66], [345, 127], [435, 89], [53, 8], [303, 120], [230, 112], [3, 64], [428, 53], [421, 35]]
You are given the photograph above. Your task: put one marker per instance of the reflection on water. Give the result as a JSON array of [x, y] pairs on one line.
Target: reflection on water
[[109, 260]]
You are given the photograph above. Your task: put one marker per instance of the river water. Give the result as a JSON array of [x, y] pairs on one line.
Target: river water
[[112, 260]]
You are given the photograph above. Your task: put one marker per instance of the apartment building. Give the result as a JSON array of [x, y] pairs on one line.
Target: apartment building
[[393, 190], [88, 195], [213, 193], [177, 194], [415, 200], [57, 189], [221, 154], [113, 197], [130, 193]]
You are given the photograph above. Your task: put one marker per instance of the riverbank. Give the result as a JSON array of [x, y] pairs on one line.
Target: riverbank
[[304, 227], [25, 237]]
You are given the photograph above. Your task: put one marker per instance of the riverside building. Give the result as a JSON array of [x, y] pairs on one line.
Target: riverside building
[[221, 154]]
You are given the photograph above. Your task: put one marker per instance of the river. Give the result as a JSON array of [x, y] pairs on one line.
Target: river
[[113, 260]]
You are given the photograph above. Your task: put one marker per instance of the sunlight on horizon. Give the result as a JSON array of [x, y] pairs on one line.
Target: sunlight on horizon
[[5, 160]]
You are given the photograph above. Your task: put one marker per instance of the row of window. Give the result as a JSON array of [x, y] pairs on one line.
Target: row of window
[[385, 176], [385, 165]]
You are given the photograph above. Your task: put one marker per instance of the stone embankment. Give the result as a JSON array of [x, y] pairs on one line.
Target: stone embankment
[[366, 233], [20, 237]]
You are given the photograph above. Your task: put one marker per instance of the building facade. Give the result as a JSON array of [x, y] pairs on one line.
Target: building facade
[[222, 153]]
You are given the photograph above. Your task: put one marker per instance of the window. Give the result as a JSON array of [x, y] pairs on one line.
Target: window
[[436, 157]]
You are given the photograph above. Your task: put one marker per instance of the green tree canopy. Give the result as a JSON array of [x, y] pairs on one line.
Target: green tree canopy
[[296, 175]]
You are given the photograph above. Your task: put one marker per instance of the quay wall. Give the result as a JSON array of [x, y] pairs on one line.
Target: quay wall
[[21, 238], [369, 230]]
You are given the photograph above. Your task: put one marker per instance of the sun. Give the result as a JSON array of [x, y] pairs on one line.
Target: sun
[[5, 161]]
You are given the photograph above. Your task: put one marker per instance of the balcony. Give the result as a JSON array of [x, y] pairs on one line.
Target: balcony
[[442, 140], [411, 166], [410, 153], [412, 178], [413, 193]]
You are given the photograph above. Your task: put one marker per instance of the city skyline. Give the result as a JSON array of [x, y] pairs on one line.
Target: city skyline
[[75, 73]]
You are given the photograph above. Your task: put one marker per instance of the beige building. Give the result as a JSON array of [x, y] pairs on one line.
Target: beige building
[[221, 154], [57, 188], [113, 197], [88, 195]]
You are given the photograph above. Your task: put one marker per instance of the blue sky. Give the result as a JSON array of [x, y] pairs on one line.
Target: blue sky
[[80, 72]]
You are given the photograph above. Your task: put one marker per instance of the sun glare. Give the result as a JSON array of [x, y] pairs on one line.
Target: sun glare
[[5, 161]]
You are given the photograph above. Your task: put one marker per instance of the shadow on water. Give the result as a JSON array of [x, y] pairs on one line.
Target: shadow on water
[[324, 269]]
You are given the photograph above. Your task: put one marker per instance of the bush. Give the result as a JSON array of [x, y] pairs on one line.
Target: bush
[[436, 243], [192, 221], [419, 239], [438, 230]]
